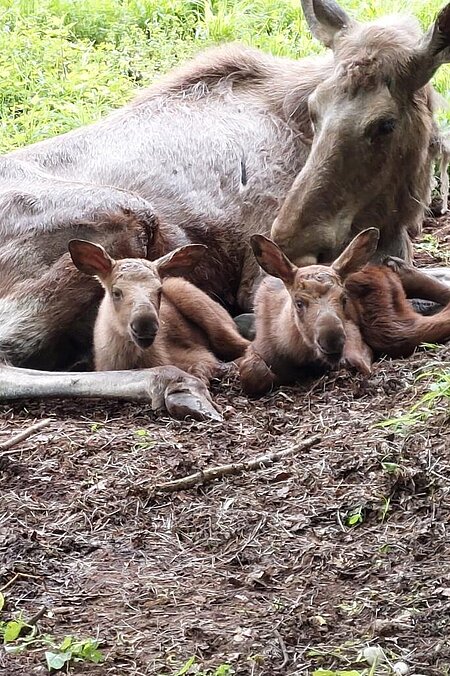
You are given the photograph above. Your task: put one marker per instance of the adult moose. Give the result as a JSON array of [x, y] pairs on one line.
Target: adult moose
[[233, 143]]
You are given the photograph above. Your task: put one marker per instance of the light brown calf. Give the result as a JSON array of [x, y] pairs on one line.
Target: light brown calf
[[301, 316], [145, 320]]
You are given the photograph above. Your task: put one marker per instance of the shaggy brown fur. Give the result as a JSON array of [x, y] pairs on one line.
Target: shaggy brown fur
[[387, 321]]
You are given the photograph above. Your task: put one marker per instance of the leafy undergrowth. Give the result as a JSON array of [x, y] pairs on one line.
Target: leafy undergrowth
[[65, 63]]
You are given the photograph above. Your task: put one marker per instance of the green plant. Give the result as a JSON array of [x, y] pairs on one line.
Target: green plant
[[20, 635], [430, 244], [425, 408], [191, 667], [354, 517]]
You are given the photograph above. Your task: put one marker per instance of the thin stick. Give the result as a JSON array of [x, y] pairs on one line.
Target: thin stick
[[208, 475], [284, 652], [25, 434], [37, 616]]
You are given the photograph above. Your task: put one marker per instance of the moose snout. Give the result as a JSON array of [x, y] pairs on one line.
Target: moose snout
[[331, 340], [143, 329]]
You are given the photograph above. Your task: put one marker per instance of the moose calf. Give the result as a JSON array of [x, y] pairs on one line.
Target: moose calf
[[145, 320], [301, 316], [386, 319]]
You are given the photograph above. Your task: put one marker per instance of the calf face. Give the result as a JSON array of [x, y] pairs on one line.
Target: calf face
[[133, 287], [316, 293]]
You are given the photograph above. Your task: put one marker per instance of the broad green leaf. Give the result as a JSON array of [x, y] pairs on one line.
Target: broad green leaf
[[57, 660], [12, 630]]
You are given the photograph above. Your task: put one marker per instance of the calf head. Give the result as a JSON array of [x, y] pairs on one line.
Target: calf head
[[133, 286], [317, 295], [371, 128]]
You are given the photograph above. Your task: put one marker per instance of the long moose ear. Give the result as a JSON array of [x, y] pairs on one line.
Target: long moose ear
[[432, 52], [180, 261], [358, 253], [90, 258], [272, 259], [326, 20]]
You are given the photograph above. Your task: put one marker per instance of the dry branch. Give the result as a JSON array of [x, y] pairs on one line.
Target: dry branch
[[208, 475], [24, 434]]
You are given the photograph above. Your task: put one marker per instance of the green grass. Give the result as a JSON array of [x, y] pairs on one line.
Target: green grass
[[65, 63]]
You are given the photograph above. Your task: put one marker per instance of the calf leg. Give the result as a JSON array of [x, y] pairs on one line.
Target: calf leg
[[356, 353], [214, 321], [256, 377], [419, 283], [166, 387]]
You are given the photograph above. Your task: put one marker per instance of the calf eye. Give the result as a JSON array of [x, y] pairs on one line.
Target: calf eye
[[117, 294], [300, 305]]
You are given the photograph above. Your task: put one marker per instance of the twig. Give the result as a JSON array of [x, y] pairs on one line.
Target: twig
[[34, 619], [25, 434], [16, 577], [284, 652], [208, 475]]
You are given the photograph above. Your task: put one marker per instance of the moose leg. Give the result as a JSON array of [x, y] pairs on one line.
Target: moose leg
[[165, 387], [422, 284], [357, 353], [255, 375]]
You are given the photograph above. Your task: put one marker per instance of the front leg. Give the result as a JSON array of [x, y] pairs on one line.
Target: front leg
[[256, 376], [356, 353], [164, 388]]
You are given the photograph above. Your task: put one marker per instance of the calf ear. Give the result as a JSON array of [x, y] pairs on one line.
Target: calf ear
[[180, 261], [358, 253], [272, 259], [90, 258]]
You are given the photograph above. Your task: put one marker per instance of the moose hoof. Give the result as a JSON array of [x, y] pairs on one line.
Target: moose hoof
[[398, 265], [246, 325], [195, 402]]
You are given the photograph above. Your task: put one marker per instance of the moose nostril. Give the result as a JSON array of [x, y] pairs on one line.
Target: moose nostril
[[144, 327], [332, 344]]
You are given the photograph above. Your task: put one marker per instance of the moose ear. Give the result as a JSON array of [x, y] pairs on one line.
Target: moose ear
[[180, 261], [90, 258], [272, 259], [432, 52], [358, 253], [326, 20]]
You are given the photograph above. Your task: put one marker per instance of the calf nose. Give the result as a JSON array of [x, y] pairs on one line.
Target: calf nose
[[143, 329], [332, 344]]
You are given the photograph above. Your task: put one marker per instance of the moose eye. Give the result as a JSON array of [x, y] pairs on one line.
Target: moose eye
[[300, 304], [116, 294], [382, 128]]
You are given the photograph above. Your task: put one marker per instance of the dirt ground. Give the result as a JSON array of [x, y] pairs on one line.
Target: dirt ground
[[263, 571]]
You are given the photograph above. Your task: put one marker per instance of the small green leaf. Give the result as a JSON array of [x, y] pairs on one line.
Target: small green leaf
[[66, 644], [328, 672], [57, 660], [185, 668], [2, 601], [141, 433], [12, 630]]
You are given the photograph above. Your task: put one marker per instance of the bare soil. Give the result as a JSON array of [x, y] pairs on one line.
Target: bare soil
[[263, 571]]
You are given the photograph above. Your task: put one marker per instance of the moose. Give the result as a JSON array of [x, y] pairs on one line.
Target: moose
[[319, 316], [233, 143], [150, 318], [301, 317]]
